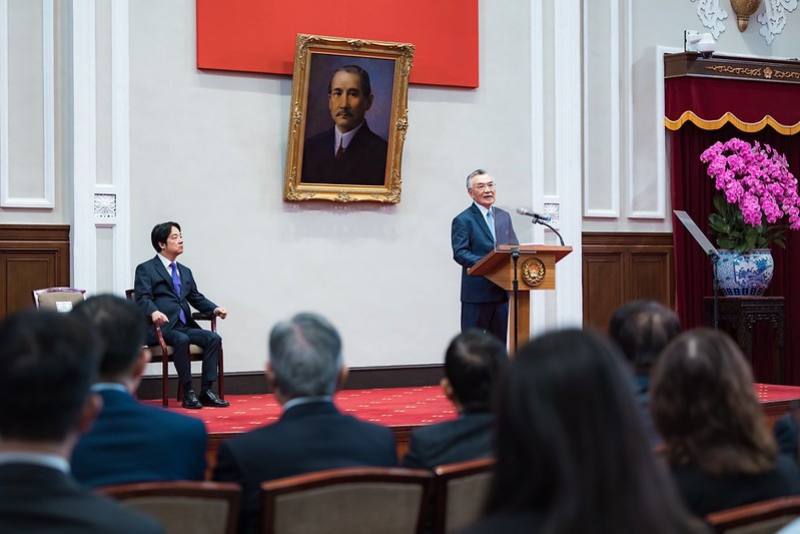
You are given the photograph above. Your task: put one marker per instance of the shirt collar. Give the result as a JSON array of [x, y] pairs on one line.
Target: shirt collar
[[484, 211], [109, 386], [167, 263], [298, 401], [345, 138], [52, 461]]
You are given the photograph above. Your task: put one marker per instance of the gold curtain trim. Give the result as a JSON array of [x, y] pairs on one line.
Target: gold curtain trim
[[730, 118]]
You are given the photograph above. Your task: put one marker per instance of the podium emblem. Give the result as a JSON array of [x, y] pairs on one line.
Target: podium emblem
[[533, 271]]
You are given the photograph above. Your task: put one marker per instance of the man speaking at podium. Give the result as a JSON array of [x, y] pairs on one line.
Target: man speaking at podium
[[474, 233]]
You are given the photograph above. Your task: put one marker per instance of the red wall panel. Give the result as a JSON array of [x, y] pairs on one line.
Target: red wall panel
[[259, 35]]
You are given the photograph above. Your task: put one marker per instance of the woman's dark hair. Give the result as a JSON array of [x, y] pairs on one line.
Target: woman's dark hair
[[642, 329], [704, 406], [570, 445]]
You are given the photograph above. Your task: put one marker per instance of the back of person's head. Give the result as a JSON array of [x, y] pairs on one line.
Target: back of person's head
[[704, 406], [305, 356], [642, 329], [472, 364], [48, 361], [570, 444], [121, 326]]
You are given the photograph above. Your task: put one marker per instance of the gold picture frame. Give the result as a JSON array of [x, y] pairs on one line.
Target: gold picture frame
[[315, 168]]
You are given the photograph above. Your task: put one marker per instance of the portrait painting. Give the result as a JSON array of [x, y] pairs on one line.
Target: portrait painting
[[348, 120]]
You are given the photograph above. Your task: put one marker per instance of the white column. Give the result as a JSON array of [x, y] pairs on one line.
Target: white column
[[84, 145], [567, 55], [120, 156]]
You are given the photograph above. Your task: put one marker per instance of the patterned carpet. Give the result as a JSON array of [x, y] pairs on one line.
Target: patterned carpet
[[392, 407]]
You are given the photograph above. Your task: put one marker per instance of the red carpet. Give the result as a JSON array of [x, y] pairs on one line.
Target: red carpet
[[393, 407]]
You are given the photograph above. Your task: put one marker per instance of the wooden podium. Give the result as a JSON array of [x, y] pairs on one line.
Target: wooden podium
[[536, 269]]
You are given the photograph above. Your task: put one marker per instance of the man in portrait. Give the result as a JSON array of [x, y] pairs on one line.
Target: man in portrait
[[474, 233], [349, 152]]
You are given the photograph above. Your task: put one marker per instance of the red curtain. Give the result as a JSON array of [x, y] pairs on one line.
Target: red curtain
[[692, 191]]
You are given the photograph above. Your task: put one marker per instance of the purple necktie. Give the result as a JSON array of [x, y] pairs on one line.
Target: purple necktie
[[176, 284]]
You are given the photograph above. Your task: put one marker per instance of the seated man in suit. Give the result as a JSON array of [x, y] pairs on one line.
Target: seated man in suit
[[304, 369], [164, 290], [349, 153], [474, 233], [49, 362], [127, 442], [472, 364]]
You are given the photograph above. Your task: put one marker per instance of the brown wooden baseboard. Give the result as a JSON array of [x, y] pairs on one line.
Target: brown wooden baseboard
[[253, 382]]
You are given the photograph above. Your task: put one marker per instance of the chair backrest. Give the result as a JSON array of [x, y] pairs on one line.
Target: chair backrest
[[130, 294], [460, 490], [353, 500], [58, 298], [756, 518], [180, 507]]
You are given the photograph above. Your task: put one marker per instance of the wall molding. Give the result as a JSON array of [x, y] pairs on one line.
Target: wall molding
[[120, 142], [48, 113], [614, 144], [253, 382]]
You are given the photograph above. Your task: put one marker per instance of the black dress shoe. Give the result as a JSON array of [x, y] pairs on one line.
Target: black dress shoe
[[207, 398], [190, 400]]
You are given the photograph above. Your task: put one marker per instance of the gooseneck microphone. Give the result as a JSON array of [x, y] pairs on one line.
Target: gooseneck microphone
[[541, 217]]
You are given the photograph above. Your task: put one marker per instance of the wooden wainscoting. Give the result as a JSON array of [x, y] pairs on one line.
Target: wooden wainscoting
[[32, 256], [618, 267]]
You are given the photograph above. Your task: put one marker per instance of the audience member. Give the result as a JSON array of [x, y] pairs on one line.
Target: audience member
[[471, 365], [720, 449], [49, 361], [642, 328], [786, 432], [131, 442], [571, 452], [304, 369]]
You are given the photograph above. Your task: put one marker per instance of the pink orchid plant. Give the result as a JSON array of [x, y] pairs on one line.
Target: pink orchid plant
[[757, 195]]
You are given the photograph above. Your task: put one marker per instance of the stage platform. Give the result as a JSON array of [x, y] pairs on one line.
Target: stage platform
[[401, 409]]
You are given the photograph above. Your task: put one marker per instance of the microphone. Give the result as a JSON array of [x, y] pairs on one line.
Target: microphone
[[523, 211]]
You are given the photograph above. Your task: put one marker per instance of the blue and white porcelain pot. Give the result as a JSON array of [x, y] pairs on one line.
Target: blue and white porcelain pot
[[746, 273]]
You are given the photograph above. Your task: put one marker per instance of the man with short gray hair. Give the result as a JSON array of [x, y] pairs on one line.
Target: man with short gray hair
[[474, 233], [304, 369]]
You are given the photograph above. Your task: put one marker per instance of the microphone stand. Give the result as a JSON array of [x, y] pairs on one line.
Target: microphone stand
[[515, 290], [537, 220], [714, 261]]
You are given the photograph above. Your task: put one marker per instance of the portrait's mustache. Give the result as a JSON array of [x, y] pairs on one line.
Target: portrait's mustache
[[344, 113]]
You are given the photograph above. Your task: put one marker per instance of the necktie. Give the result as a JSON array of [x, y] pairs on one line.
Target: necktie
[[176, 285], [340, 151], [490, 222]]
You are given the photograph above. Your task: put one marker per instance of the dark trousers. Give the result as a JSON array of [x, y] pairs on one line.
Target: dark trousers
[[490, 317], [180, 337]]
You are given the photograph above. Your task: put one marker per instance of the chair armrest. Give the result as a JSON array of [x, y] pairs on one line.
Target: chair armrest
[[199, 316]]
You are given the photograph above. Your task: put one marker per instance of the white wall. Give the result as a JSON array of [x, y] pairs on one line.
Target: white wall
[[208, 149], [625, 173]]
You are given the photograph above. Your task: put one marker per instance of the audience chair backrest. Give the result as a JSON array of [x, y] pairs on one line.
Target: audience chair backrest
[[58, 298], [180, 507], [354, 500], [756, 518], [460, 490]]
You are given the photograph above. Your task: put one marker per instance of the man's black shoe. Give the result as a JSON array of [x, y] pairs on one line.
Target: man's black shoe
[[190, 400], [207, 398]]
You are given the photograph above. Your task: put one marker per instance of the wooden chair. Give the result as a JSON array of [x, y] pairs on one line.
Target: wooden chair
[[58, 298], [763, 517], [158, 350], [460, 490], [349, 500], [180, 507]]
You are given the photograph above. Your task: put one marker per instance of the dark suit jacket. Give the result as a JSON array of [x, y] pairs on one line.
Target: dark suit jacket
[[704, 494], [154, 292], [309, 437], [131, 442], [467, 438], [472, 240], [40, 499], [786, 435], [364, 161]]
